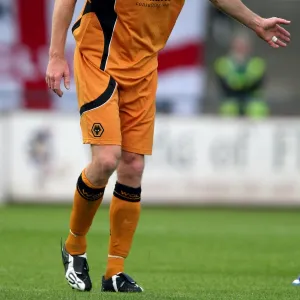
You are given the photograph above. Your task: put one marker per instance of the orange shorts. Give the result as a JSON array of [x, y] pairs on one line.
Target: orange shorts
[[114, 111]]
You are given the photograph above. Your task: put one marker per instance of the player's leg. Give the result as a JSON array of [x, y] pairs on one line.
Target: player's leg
[[87, 199], [89, 193], [137, 102], [100, 124], [125, 210]]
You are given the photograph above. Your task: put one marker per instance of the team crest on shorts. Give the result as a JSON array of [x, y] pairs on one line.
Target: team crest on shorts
[[97, 130]]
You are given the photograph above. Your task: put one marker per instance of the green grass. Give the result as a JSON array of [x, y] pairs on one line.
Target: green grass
[[177, 254]]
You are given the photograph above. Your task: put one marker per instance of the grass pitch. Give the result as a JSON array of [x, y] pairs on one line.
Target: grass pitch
[[177, 254]]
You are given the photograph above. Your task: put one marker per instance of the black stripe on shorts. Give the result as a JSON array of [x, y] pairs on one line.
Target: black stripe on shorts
[[102, 99], [105, 11], [87, 9]]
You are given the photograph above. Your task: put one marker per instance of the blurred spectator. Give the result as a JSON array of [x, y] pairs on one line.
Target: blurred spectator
[[241, 77]]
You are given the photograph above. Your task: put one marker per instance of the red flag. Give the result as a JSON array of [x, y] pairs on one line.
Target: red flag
[[32, 16]]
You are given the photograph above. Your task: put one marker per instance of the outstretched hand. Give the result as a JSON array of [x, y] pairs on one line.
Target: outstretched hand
[[271, 31]]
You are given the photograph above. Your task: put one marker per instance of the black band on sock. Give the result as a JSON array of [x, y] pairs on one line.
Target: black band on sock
[[127, 193], [88, 193]]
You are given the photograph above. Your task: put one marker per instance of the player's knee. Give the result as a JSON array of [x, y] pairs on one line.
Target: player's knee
[[108, 164], [132, 164], [106, 161]]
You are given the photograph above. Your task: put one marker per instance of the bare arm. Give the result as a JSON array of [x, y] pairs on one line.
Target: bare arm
[[267, 29], [239, 11], [57, 66], [61, 20]]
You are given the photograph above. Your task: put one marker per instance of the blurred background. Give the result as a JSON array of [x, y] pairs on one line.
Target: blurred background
[[227, 130], [227, 134]]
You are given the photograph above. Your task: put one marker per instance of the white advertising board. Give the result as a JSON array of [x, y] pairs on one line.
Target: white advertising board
[[46, 156], [2, 160], [209, 160], [195, 160]]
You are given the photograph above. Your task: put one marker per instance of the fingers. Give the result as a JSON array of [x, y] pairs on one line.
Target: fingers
[[58, 92], [67, 80], [53, 82], [281, 43], [283, 31], [280, 38], [273, 45], [283, 37], [56, 70], [274, 34], [47, 81], [282, 21], [277, 43], [55, 85]]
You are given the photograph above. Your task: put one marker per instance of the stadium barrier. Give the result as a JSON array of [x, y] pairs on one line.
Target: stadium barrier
[[2, 155], [201, 160]]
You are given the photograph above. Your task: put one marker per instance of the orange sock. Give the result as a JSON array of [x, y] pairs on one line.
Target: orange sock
[[124, 216], [87, 200]]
